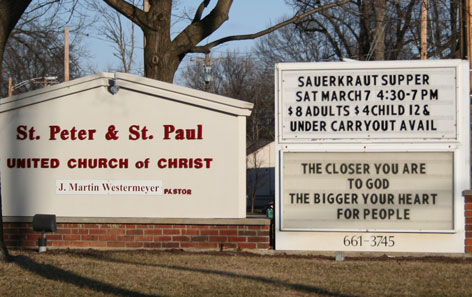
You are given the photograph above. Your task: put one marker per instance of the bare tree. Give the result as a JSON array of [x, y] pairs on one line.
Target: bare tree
[[240, 76], [163, 54], [385, 29], [355, 30], [446, 34], [36, 50], [120, 32], [293, 44]]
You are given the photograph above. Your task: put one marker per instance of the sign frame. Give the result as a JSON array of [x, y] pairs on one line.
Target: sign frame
[[286, 71], [292, 229], [445, 241]]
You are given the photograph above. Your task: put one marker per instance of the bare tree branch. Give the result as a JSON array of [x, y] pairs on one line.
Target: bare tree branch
[[197, 31], [201, 8], [206, 48], [130, 11]]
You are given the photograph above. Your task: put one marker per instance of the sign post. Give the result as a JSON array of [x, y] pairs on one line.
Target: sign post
[[372, 156]]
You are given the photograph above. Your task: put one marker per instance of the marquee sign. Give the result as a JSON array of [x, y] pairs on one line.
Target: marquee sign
[[372, 156], [367, 103]]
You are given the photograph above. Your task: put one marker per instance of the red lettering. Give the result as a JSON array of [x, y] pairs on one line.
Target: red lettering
[[196, 163], [208, 161], [177, 191], [134, 133], [172, 163], [33, 163], [167, 130], [72, 134], [183, 163], [113, 163], [183, 134], [53, 131], [97, 163], [82, 163], [179, 134], [161, 163], [21, 132], [103, 163], [200, 132]]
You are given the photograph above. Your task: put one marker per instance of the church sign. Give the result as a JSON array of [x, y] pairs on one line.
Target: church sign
[[372, 156], [123, 146]]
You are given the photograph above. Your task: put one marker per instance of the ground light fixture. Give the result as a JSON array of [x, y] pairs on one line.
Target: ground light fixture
[[44, 223]]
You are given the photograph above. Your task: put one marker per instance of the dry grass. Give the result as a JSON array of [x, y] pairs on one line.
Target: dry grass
[[175, 273]]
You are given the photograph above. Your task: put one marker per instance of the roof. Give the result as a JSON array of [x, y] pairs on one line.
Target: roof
[[132, 83], [257, 145]]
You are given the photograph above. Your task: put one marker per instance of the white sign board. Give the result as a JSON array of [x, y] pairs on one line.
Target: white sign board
[[367, 191], [372, 156], [405, 102], [152, 150]]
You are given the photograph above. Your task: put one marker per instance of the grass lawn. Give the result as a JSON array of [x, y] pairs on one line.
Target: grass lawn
[[177, 273]]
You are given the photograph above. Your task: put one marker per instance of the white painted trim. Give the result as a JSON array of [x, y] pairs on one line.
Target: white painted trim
[[133, 83]]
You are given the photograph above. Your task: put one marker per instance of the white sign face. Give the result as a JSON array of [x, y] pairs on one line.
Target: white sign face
[[367, 191], [399, 103], [152, 150]]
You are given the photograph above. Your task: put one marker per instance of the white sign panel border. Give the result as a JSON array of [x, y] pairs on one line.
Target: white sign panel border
[[350, 136], [348, 240], [349, 229]]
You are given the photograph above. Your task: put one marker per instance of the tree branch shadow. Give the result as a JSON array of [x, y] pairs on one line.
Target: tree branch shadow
[[294, 286], [57, 274]]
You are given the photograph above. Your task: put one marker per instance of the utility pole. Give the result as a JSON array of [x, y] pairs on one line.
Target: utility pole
[[207, 74], [66, 53], [10, 86], [424, 29], [146, 8]]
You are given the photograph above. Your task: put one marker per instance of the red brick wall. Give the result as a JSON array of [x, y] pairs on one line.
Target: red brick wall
[[142, 236], [468, 223]]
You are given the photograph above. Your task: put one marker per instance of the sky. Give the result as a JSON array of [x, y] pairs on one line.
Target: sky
[[246, 16]]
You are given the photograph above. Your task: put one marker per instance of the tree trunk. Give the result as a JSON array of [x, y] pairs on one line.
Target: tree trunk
[[364, 34], [161, 62], [10, 13], [456, 49]]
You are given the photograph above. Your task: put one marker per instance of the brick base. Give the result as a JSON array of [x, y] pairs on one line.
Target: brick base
[[142, 236], [468, 221]]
